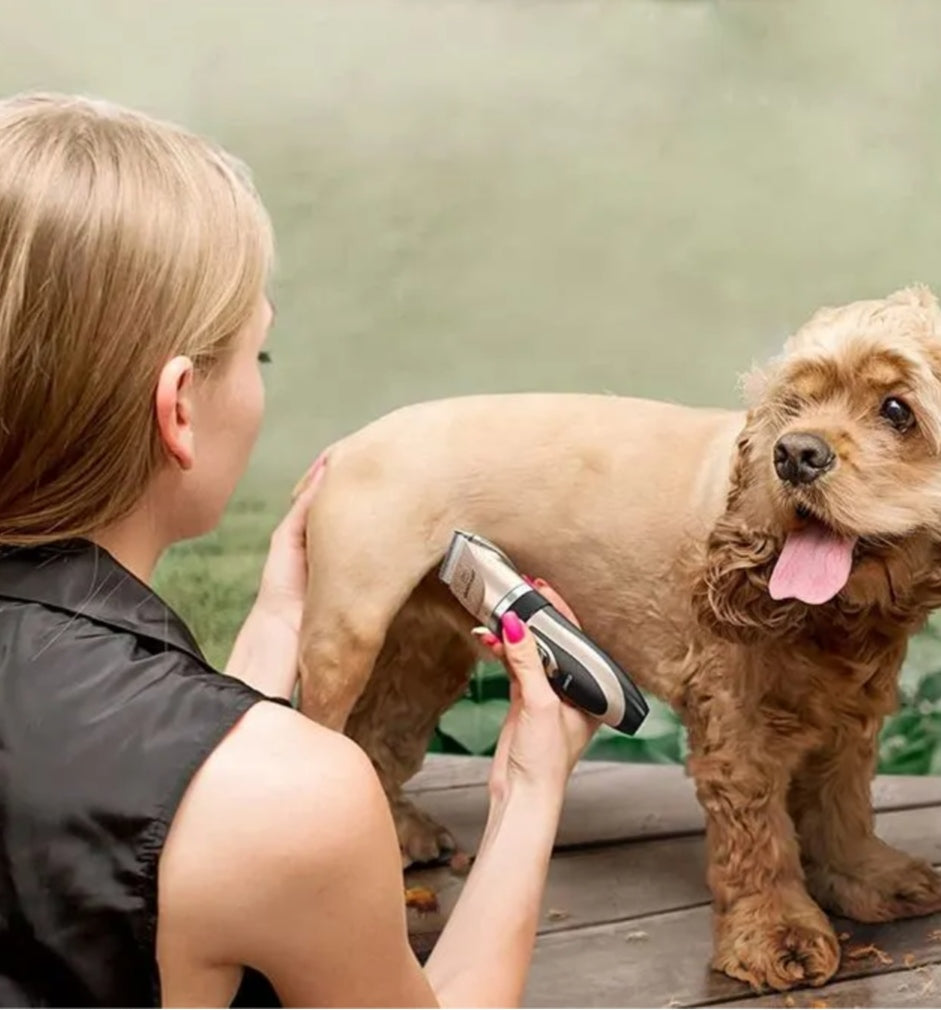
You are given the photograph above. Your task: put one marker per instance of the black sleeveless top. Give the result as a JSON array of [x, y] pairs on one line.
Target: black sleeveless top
[[107, 709]]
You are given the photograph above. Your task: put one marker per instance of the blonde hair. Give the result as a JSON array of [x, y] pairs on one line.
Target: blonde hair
[[124, 241]]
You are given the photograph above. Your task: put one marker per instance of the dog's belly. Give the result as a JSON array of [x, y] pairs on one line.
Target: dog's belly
[[604, 497]]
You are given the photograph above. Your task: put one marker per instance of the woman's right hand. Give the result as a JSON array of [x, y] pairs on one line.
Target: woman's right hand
[[543, 737]]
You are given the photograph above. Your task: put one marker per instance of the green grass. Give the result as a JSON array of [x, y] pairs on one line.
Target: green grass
[[212, 581]]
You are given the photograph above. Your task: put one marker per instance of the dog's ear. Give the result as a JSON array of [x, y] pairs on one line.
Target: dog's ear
[[921, 588], [916, 295], [730, 587]]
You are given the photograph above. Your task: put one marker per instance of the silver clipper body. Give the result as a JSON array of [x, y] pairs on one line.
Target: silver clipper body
[[487, 584]]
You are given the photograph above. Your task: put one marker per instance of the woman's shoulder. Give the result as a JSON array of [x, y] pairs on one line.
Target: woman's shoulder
[[275, 779], [279, 809]]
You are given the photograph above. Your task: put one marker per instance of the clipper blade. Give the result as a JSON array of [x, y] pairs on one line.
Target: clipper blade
[[451, 557]]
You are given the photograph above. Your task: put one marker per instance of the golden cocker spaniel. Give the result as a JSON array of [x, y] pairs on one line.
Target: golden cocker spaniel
[[762, 572]]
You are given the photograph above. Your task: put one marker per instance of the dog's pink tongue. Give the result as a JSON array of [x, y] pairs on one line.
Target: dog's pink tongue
[[813, 566]]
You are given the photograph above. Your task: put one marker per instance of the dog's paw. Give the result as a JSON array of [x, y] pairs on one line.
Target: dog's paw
[[421, 838], [776, 951], [884, 885]]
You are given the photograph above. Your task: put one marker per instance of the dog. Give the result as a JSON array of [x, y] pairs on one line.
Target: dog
[[760, 570]]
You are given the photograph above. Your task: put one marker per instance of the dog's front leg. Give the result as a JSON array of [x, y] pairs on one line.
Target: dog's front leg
[[849, 870], [768, 930]]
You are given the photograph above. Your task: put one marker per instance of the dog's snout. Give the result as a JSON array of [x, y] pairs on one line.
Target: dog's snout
[[800, 457]]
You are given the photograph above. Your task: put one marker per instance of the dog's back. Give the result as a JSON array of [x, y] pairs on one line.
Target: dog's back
[[597, 494]]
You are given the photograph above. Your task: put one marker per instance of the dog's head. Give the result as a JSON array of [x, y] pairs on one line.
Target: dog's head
[[835, 496]]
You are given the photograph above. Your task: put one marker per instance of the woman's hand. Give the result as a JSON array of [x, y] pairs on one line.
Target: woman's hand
[[543, 736], [284, 577], [265, 651]]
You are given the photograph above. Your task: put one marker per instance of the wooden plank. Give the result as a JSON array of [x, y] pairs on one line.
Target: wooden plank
[[444, 771], [903, 792], [611, 802], [447, 771], [915, 987], [591, 886], [615, 802], [663, 960]]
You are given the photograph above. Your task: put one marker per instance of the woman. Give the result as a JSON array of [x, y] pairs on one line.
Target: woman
[[169, 834]]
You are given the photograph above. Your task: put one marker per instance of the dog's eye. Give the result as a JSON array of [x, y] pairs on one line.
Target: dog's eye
[[898, 413]]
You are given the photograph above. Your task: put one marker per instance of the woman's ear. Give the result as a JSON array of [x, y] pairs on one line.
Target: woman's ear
[[174, 407]]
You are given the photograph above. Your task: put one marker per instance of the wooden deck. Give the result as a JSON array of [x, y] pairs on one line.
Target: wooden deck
[[626, 919]]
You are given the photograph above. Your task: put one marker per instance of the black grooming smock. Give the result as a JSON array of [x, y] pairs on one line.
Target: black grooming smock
[[107, 709]]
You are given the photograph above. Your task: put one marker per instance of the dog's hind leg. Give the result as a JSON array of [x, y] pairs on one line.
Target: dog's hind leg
[[384, 649], [851, 871], [423, 667], [338, 649], [363, 567]]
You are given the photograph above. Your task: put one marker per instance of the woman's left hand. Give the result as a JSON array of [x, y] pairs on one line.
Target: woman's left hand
[[265, 652], [284, 577]]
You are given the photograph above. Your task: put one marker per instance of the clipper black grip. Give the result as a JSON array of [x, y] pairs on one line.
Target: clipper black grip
[[528, 604], [571, 679]]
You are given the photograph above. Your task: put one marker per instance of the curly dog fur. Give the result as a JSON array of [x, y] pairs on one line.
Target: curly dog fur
[[662, 526]]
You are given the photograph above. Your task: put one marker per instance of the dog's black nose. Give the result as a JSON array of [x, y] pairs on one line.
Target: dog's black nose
[[800, 458]]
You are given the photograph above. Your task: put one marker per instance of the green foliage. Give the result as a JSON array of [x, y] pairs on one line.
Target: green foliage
[[472, 726], [211, 582], [910, 742]]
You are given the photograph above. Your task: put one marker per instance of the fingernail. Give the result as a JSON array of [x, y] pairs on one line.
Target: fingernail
[[513, 628], [310, 481]]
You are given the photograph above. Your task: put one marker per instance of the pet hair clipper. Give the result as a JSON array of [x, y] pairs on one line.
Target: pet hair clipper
[[486, 583]]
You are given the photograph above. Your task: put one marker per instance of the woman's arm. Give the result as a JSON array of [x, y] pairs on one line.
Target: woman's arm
[[265, 653], [283, 856], [483, 955], [498, 911]]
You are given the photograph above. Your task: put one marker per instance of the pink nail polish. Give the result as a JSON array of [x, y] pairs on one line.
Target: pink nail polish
[[513, 628], [489, 640], [319, 463]]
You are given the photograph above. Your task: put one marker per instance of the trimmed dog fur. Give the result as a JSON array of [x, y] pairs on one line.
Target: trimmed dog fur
[[761, 572]]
